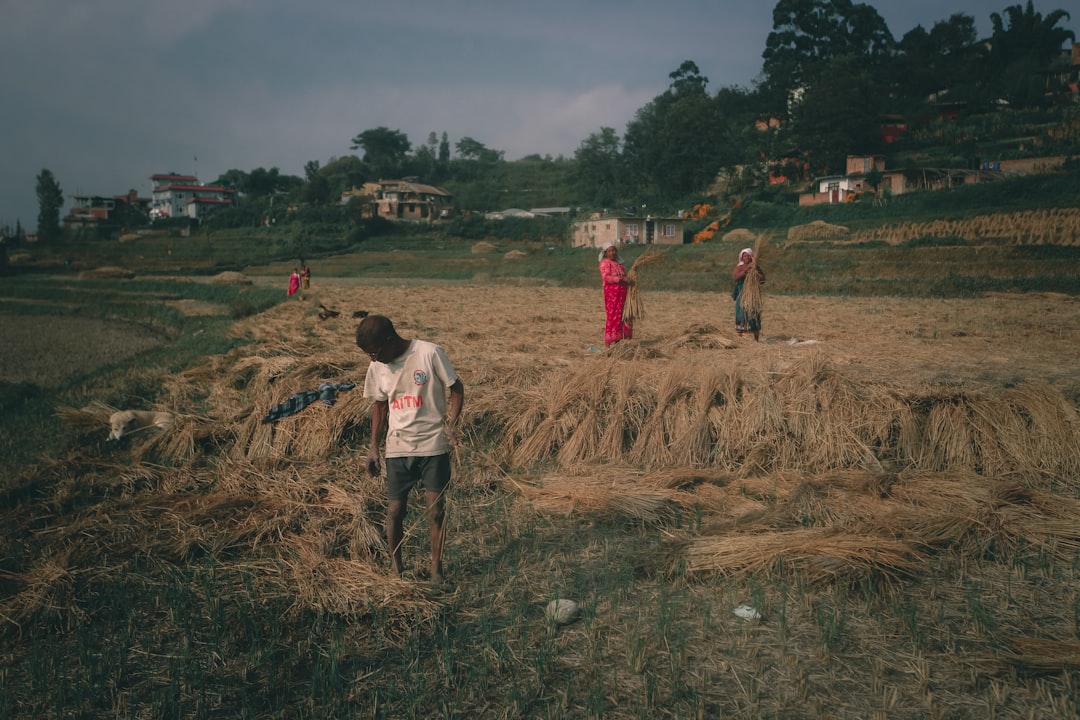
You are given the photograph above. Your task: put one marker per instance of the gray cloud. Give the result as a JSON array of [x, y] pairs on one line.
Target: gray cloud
[[107, 93]]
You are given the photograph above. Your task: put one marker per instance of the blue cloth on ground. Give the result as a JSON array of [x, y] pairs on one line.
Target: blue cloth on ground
[[327, 394]]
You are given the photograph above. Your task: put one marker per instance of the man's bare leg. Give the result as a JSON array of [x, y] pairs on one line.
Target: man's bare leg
[[395, 523], [436, 512]]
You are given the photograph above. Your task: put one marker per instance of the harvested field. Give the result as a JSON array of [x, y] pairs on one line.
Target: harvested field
[[891, 483]]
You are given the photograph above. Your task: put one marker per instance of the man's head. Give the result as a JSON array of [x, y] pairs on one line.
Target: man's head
[[376, 336]]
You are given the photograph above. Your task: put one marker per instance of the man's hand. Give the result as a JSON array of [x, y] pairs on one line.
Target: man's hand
[[454, 435], [373, 465]]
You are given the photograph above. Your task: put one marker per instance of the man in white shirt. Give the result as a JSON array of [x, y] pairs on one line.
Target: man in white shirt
[[408, 380]]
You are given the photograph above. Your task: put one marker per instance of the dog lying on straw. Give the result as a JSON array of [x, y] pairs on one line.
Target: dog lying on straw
[[126, 422]]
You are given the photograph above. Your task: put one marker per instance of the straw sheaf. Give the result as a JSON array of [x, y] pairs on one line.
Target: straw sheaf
[[93, 418], [634, 305], [804, 416], [818, 230], [1047, 226], [1032, 655], [751, 297], [699, 336], [819, 555], [347, 587], [599, 497], [900, 518]]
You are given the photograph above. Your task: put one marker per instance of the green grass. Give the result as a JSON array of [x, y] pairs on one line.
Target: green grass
[[31, 429]]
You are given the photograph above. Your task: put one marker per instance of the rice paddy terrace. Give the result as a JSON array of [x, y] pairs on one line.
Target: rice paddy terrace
[[892, 484]]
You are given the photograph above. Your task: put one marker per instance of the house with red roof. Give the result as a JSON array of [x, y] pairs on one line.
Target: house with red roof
[[175, 195]]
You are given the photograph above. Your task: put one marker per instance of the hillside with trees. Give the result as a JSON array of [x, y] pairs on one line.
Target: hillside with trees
[[835, 81], [832, 73]]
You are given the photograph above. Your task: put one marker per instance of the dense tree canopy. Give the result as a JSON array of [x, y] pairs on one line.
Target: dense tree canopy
[[600, 170], [50, 199], [384, 150], [838, 115], [1022, 43], [671, 145], [469, 149], [947, 57], [810, 33]]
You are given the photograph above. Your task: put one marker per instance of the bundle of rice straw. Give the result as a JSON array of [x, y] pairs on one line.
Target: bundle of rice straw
[[634, 307], [751, 297]]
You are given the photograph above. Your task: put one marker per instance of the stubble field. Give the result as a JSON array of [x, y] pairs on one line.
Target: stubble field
[[892, 483]]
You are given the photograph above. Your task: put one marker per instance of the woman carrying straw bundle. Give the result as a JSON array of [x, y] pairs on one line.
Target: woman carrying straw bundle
[[616, 283], [748, 279]]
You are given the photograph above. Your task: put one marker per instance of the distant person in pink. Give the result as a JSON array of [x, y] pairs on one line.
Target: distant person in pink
[[613, 273], [294, 282]]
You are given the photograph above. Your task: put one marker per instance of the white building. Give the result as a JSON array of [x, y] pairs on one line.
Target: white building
[[176, 195]]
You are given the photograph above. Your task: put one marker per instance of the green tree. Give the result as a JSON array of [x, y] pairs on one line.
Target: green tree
[[599, 167], [50, 199], [262, 182], [688, 80], [317, 190], [1023, 43], [809, 33], [737, 141], [444, 149], [469, 149], [670, 146], [344, 174], [422, 164], [838, 115], [384, 150], [235, 179], [945, 58]]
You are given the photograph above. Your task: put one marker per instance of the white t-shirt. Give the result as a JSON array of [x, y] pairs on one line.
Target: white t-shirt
[[414, 386]]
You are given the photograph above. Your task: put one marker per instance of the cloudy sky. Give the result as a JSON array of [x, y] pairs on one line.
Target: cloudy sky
[[105, 93]]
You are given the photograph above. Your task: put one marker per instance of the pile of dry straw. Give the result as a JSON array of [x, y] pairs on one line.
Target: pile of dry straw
[[794, 464]]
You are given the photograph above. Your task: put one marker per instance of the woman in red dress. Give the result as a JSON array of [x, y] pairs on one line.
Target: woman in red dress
[[613, 273]]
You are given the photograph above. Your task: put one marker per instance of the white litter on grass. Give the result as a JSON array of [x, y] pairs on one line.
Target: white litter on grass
[[561, 611], [747, 613]]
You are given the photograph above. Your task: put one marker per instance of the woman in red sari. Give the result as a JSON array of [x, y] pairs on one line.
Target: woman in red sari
[[613, 273]]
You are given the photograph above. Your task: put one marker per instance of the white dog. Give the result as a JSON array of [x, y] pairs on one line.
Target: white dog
[[125, 422]]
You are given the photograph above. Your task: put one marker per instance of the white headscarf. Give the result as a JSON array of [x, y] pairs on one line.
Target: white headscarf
[[604, 250], [747, 251]]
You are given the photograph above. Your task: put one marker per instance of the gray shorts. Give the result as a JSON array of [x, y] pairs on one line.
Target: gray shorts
[[402, 474]]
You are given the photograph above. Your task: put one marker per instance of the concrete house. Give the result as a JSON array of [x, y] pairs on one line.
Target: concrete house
[[599, 229], [403, 200], [98, 210], [176, 195]]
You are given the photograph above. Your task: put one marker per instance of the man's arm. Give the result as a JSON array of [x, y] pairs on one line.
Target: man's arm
[[457, 400], [380, 411]]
